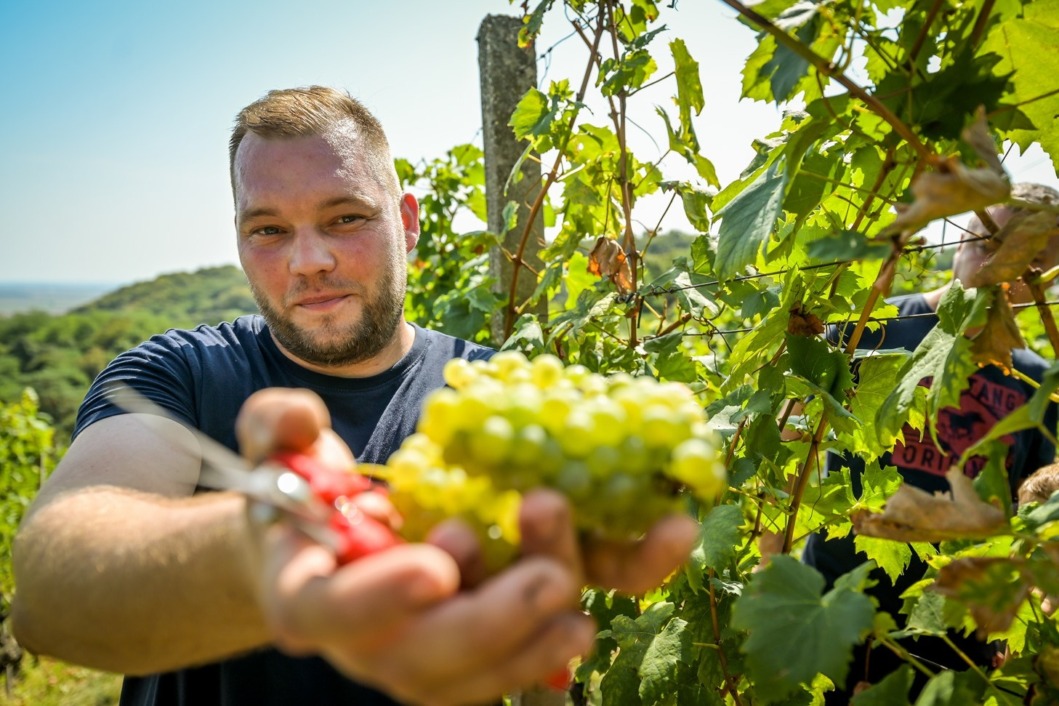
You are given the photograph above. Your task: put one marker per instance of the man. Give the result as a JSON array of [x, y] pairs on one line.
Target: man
[[990, 394], [121, 565]]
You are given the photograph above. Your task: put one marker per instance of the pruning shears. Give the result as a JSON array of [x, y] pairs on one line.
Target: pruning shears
[[288, 487]]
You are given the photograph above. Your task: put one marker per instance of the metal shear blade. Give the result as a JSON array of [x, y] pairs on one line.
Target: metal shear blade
[[222, 469]]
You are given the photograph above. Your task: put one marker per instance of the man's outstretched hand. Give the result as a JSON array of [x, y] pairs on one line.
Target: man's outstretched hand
[[421, 621]]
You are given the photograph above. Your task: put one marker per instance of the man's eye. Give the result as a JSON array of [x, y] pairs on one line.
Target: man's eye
[[350, 219], [266, 230]]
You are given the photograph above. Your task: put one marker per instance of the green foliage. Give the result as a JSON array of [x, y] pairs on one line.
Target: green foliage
[[27, 456], [48, 682], [795, 632], [450, 287], [876, 96], [58, 355], [183, 299]]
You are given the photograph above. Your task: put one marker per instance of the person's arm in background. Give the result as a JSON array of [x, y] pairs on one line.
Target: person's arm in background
[[118, 569]]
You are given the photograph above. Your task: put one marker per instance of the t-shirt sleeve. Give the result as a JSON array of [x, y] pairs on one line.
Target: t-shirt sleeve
[[156, 369]]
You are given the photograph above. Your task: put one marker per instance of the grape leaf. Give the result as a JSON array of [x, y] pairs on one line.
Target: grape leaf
[[747, 221], [689, 86], [607, 259], [794, 631], [1000, 335], [814, 360], [942, 356], [719, 538], [891, 691], [992, 587], [604, 606], [533, 115], [848, 245], [892, 557], [1026, 46], [949, 688], [927, 616], [1017, 245], [670, 360], [649, 649], [876, 375]]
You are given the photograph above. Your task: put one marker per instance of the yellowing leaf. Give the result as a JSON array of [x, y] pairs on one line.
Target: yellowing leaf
[[992, 587], [994, 343], [913, 515], [607, 259], [1016, 245], [951, 189]]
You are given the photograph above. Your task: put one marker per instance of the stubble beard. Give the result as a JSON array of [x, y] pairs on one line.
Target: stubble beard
[[330, 344]]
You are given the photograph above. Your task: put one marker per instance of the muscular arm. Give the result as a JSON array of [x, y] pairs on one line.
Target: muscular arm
[[118, 568]]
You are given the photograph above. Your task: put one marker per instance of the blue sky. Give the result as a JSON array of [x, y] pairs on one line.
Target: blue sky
[[113, 133]]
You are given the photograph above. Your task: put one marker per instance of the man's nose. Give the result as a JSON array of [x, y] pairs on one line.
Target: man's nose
[[310, 253]]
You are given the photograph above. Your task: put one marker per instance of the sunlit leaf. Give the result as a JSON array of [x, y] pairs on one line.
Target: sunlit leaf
[[533, 115], [747, 221]]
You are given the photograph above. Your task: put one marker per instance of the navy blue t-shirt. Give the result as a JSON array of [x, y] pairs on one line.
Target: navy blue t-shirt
[[202, 377]]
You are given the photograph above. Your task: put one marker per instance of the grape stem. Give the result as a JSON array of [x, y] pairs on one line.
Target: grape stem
[[730, 686], [802, 481]]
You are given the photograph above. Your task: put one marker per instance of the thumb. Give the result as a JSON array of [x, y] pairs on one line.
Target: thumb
[[280, 418]]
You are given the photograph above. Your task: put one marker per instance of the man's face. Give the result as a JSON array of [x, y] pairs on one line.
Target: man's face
[[972, 253], [323, 237]]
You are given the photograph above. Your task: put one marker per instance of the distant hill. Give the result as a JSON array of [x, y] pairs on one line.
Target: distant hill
[[59, 353], [47, 296], [209, 295]]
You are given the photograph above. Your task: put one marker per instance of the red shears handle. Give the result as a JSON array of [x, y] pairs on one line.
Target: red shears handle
[[356, 533]]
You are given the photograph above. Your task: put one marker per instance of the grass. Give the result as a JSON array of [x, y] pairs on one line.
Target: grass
[[48, 682]]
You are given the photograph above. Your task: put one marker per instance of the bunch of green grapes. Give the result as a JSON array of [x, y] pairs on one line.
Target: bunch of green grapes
[[621, 448]]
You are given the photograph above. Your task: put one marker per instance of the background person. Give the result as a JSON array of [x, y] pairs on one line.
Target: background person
[[990, 394]]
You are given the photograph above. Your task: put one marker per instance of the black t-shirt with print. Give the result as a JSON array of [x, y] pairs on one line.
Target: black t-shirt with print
[[989, 396]]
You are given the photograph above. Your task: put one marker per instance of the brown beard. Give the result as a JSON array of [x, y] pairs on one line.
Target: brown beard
[[357, 342]]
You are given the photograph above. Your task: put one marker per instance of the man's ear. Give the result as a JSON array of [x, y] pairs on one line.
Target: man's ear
[[410, 220]]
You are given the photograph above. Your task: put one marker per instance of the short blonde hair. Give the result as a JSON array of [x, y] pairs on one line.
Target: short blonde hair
[[1040, 485], [313, 110]]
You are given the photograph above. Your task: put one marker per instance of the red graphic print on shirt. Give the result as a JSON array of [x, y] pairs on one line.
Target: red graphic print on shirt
[[982, 404]]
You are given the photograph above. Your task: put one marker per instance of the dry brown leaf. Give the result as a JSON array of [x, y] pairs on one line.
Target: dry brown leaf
[[990, 618], [804, 323], [977, 135], [607, 259], [1016, 246], [951, 189], [914, 515], [1000, 335]]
